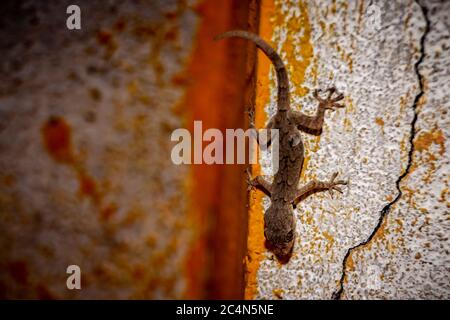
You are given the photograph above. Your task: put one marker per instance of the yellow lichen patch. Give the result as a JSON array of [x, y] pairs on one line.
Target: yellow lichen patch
[[255, 240], [278, 293], [380, 236], [297, 46], [347, 125], [314, 72], [360, 13], [399, 227], [407, 195], [347, 57], [305, 165], [349, 107], [444, 193], [426, 139], [330, 240], [423, 210]]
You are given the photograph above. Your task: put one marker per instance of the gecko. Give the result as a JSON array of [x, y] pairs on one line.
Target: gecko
[[284, 193]]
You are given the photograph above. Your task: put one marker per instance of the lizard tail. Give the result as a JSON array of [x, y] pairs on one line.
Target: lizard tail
[[282, 77]]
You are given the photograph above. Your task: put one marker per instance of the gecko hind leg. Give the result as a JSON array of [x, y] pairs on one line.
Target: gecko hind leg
[[259, 183], [318, 186]]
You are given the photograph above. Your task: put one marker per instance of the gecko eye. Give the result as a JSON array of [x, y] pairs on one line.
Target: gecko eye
[[290, 235]]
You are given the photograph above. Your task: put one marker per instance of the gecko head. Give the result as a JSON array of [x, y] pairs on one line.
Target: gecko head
[[279, 231]]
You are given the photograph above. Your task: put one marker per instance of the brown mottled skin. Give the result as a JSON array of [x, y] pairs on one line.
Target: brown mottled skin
[[279, 222]]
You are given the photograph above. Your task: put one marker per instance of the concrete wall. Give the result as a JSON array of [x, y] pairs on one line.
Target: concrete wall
[[386, 237]]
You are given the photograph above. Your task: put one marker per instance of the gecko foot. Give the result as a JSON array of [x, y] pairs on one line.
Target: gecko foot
[[330, 102], [332, 185]]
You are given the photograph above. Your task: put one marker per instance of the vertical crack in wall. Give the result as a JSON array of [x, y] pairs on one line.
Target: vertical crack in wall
[[337, 294]]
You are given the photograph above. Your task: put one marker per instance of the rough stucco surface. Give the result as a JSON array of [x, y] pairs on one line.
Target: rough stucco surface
[[368, 143], [85, 123], [412, 259]]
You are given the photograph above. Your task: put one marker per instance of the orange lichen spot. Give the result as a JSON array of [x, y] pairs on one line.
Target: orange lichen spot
[[278, 293], [389, 198], [57, 139], [107, 212], [350, 263], [417, 256], [333, 7], [425, 139], [408, 196], [381, 232], [400, 226], [443, 196], [19, 271], [422, 143], [379, 121]]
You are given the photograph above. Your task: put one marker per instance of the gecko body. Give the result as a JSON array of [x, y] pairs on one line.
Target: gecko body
[[284, 193]]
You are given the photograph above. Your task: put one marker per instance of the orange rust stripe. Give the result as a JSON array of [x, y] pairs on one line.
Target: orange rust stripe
[[255, 240], [216, 96]]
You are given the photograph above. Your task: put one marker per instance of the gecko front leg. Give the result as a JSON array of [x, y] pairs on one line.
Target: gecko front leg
[[313, 124], [317, 186], [260, 183]]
